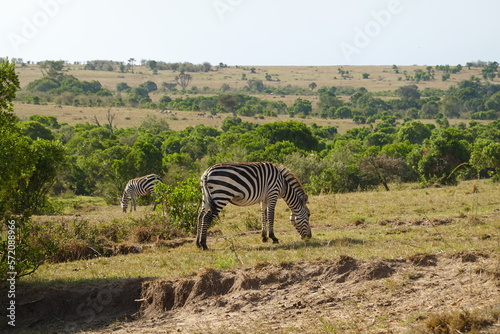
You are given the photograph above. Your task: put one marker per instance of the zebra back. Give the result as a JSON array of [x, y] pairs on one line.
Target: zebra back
[[250, 181], [142, 186]]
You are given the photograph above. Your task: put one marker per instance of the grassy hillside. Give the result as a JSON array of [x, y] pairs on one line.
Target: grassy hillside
[[382, 78], [363, 225]]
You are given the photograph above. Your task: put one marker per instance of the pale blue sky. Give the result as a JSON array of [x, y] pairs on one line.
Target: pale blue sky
[[254, 32]]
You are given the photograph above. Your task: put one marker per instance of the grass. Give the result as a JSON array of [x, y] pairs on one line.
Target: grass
[[382, 78], [396, 224], [461, 321]]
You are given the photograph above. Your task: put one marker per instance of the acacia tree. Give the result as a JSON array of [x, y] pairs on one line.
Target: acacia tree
[[183, 80], [131, 63]]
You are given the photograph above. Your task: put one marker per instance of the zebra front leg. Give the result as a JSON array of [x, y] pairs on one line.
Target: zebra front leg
[[263, 208], [270, 216], [132, 202]]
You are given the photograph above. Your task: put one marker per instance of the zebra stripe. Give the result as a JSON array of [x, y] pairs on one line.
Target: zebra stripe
[[246, 184], [140, 186]]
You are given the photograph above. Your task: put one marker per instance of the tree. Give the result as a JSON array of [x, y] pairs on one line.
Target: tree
[[183, 80], [343, 112], [229, 102], [131, 63], [295, 132], [487, 157], [384, 168], [121, 86], [312, 86], [35, 130], [52, 68], [139, 95], [408, 92], [255, 85], [152, 64], [441, 154], [150, 86], [207, 67], [493, 102], [413, 131], [328, 99], [489, 71], [9, 85], [301, 106]]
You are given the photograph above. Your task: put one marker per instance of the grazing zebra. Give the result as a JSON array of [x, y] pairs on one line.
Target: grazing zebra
[[245, 184], [140, 186]]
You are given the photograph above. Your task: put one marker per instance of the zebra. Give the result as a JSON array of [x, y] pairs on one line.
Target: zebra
[[246, 184], [140, 186]]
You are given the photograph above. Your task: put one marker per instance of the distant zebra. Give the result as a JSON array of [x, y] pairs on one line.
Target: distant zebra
[[245, 184], [140, 186]]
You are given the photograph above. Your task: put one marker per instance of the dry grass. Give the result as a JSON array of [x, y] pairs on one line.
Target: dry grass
[[386, 225], [462, 321], [381, 78], [133, 117]]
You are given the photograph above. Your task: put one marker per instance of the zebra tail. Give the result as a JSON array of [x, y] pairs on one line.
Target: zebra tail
[[208, 196]]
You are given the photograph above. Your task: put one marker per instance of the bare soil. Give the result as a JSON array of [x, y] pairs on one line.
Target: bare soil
[[341, 296]]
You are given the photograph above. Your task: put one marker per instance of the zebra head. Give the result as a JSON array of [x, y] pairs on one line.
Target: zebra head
[[300, 219], [124, 203]]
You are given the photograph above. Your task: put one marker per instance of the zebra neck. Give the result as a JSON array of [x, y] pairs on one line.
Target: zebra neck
[[126, 195]]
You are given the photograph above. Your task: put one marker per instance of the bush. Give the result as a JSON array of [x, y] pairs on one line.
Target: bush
[[28, 255], [181, 203]]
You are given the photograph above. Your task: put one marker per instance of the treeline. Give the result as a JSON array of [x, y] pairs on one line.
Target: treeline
[[99, 161], [109, 65]]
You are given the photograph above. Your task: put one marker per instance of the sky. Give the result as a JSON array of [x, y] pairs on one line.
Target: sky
[[253, 32]]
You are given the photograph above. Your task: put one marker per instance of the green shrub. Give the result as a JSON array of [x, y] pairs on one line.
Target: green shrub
[[181, 203]]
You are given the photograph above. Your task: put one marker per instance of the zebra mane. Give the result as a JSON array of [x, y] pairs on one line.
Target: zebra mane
[[287, 172]]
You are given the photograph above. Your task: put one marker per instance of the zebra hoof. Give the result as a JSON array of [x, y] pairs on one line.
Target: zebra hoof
[[276, 241], [264, 239]]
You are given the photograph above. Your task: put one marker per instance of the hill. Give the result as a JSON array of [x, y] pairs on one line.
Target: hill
[[382, 80]]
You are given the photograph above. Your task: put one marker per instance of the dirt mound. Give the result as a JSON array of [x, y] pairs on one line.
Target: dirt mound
[[342, 295], [164, 295]]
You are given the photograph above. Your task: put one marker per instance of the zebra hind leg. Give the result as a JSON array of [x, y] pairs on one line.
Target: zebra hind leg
[[204, 220]]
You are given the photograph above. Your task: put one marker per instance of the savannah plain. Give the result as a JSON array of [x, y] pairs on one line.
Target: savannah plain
[[409, 260]]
